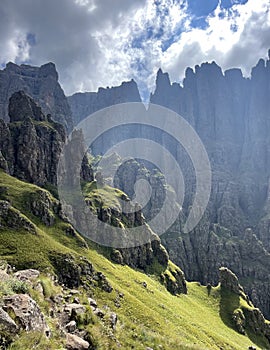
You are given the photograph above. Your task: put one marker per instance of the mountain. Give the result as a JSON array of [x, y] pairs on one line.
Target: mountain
[[41, 83], [84, 104], [60, 290], [230, 113]]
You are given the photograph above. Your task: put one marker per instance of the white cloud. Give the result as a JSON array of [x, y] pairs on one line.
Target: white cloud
[[237, 37], [101, 43]]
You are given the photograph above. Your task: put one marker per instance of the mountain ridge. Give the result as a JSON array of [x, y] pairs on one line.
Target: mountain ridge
[[38, 216], [230, 114]]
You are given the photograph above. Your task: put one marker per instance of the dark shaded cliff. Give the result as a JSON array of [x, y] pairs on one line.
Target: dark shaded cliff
[[31, 144], [41, 83], [231, 115]]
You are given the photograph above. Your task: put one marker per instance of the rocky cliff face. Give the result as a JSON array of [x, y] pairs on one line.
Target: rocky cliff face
[[32, 142], [30, 147], [41, 83], [231, 115], [84, 104]]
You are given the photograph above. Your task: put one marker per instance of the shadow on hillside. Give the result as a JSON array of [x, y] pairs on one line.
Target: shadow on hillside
[[229, 302]]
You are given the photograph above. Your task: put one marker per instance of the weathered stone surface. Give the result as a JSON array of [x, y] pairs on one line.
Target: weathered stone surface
[[99, 313], [74, 342], [22, 106], [71, 272], [41, 83], [113, 320], [177, 284], [239, 321], [27, 313], [42, 206], [31, 146], [3, 163], [27, 275], [6, 323], [71, 327], [75, 309], [92, 303]]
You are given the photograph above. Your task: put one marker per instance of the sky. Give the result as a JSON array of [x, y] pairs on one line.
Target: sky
[[104, 42]]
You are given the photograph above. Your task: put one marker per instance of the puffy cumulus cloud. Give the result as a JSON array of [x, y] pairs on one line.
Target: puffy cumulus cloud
[[135, 49], [234, 37], [65, 32], [102, 42]]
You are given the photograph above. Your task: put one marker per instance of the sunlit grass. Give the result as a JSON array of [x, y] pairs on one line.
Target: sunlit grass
[[148, 314]]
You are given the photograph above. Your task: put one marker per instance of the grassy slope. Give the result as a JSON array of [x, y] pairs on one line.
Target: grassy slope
[[148, 316]]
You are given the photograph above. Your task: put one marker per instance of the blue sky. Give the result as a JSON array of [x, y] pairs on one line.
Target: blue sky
[[102, 42], [205, 7], [202, 9]]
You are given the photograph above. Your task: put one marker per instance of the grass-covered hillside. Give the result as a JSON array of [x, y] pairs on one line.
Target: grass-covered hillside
[[32, 235]]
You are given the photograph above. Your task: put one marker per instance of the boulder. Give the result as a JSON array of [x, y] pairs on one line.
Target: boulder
[[27, 275], [6, 323], [73, 342], [74, 309], [92, 303], [27, 313], [71, 326]]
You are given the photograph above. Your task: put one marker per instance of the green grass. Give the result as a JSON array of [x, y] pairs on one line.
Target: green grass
[[36, 340], [105, 195], [148, 316], [154, 316]]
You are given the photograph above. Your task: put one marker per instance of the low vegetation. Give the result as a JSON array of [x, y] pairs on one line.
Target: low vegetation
[[148, 315]]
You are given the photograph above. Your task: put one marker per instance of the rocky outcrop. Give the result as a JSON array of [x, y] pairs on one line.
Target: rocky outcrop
[[26, 312], [229, 280], [59, 306], [41, 83], [13, 219], [174, 280], [74, 272], [76, 343], [245, 316], [27, 275], [31, 144], [22, 106], [43, 206]]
